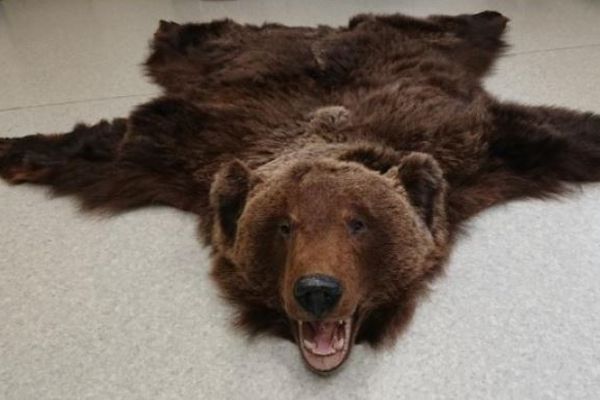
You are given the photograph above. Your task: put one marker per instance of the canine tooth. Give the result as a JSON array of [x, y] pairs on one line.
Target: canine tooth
[[308, 344], [339, 344]]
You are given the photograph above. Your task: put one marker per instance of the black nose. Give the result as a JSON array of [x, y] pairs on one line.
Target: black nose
[[317, 294]]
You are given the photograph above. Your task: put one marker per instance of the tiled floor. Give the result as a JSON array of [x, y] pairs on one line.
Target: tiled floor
[[123, 308]]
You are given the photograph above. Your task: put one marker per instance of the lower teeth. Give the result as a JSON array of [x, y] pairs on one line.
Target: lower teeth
[[309, 345], [337, 344]]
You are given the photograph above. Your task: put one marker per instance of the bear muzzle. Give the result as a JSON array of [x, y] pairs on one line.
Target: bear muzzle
[[324, 339], [317, 294]]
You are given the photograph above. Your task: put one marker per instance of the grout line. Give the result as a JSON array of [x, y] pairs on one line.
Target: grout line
[[583, 46], [78, 101]]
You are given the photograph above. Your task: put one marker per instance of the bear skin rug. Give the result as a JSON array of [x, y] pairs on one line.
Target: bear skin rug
[[331, 168]]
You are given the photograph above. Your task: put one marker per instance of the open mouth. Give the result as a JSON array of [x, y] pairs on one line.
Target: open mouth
[[325, 345]]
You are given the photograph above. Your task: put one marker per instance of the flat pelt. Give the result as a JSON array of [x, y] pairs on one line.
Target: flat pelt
[[398, 96]]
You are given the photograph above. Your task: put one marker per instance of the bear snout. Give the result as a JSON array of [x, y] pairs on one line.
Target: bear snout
[[317, 294]]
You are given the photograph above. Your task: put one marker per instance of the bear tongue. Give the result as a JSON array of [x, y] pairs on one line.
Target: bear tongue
[[324, 336]]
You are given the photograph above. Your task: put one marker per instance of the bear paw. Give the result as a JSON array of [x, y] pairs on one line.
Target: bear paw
[[18, 164], [4, 146]]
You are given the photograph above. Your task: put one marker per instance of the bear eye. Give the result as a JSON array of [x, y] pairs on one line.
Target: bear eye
[[356, 226], [285, 228]]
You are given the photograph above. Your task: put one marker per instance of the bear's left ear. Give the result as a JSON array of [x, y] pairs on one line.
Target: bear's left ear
[[418, 173], [228, 194], [422, 178]]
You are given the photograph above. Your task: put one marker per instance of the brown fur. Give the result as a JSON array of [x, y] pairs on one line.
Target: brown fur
[[384, 120]]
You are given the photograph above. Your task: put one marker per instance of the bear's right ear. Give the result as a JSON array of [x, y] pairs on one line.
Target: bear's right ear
[[228, 195]]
